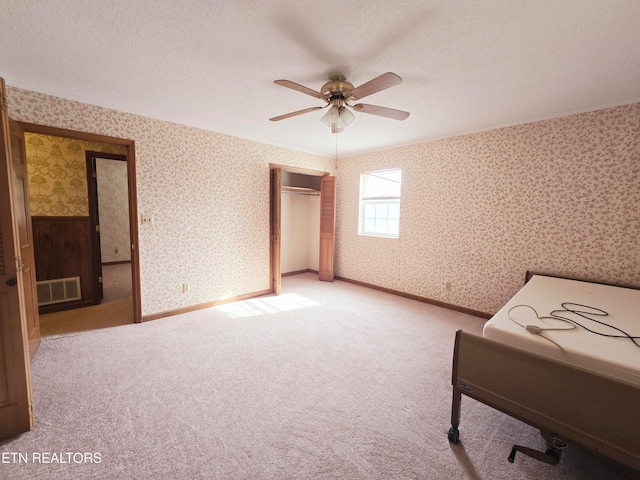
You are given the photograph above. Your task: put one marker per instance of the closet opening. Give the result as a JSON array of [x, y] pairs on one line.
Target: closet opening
[[302, 223]]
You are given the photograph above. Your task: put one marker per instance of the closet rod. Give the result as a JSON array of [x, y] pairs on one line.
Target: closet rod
[[316, 194]]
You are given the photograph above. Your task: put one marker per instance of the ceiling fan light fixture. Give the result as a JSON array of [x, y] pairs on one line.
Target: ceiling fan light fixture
[[332, 116], [346, 116]]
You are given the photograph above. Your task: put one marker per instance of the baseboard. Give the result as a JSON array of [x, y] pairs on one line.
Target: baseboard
[[418, 298], [60, 307], [298, 272], [201, 306]]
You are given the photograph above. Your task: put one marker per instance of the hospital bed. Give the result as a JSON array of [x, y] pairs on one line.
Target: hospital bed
[[563, 356]]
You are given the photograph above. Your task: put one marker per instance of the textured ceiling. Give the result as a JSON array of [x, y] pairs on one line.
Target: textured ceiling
[[467, 65]]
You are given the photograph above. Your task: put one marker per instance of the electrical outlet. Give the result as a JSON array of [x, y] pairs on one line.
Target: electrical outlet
[[448, 286], [185, 287], [115, 250], [146, 219]]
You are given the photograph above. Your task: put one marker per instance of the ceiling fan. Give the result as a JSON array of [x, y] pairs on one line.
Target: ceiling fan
[[337, 92]]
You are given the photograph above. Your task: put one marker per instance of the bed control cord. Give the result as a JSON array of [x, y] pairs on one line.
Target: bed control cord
[[537, 330], [570, 307], [578, 309]]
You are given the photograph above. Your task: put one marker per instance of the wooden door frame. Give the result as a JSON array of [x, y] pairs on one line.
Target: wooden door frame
[[92, 184], [16, 408], [131, 183], [275, 240]]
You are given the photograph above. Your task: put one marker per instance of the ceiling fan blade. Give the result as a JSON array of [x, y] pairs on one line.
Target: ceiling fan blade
[[293, 114], [385, 80], [300, 88], [382, 111]]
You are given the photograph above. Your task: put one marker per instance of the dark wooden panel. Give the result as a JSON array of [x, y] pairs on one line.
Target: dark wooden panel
[[63, 248]]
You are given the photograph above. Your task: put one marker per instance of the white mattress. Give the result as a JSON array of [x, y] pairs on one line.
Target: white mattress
[[615, 357]]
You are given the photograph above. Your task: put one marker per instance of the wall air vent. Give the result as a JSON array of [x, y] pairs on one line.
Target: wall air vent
[[58, 291]]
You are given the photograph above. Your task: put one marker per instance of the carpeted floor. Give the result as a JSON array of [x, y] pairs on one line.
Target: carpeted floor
[[327, 381]]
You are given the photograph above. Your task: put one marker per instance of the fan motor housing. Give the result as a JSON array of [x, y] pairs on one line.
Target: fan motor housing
[[336, 85]]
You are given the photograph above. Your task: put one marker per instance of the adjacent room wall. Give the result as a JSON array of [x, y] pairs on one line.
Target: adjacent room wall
[[59, 207], [558, 196], [313, 219], [208, 194], [113, 210], [300, 232], [57, 173]]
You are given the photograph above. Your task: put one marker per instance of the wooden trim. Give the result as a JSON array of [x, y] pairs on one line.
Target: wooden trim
[[107, 156], [63, 132], [275, 246], [119, 262], [418, 298], [56, 218], [201, 306], [133, 200], [94, 209], [59, 307], [96, 254], [133, 232], [298, 272], [304, 171]]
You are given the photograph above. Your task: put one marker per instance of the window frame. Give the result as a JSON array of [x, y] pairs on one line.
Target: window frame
[[387, 200]]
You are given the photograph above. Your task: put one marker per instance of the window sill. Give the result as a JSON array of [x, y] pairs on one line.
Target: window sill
[[378, 235]]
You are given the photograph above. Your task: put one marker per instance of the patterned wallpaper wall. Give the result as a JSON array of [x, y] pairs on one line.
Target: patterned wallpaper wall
[[558, 196], [58, 174], [113, 210], [208, 194]]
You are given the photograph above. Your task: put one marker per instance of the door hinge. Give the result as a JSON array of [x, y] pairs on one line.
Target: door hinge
[[97, 228], [19, 264], [99, 279], [95, 175]]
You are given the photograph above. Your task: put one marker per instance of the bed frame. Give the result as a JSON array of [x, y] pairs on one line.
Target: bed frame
[[569, 404]]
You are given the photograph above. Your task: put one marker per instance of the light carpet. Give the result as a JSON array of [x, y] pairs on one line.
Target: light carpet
[[327, 381]]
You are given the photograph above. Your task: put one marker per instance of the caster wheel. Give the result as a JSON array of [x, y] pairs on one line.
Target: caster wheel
[[454, 435]]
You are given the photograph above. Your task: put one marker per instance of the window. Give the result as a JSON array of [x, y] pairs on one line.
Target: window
[[380, 203]]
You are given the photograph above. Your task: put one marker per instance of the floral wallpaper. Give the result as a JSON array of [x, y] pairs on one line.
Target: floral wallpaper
[[113, 210], [58, 174], [558, 196], [208, 194]]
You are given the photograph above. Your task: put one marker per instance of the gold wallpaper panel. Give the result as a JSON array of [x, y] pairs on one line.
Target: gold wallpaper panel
[[58, 174]]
